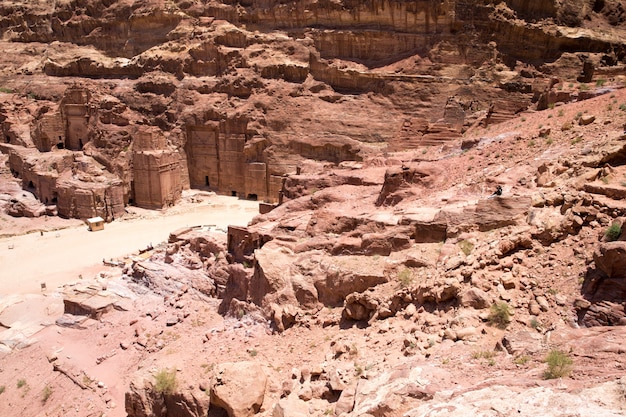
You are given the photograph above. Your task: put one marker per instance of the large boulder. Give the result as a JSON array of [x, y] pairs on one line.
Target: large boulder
[[291, 406], [278, 279], [523, 343], [404, 181], [610, 258], [307, 278], [489, 214], [239, 388], [385, 393], [476, 298], [343, 275]]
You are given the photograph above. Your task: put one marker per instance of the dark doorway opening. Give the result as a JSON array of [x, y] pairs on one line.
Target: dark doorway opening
[[31, 186], [60, 145], [206, 181], [80, 144], [8, 139], [233, 193], [252, 197]]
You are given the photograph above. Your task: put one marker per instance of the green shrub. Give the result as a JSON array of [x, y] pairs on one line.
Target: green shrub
[[483, 354], [559, 364], [600, 82], [405, 277], [47, 392], [466, 246], [2, 388], [166, 382], [21, 383], [613, 232], [500, 314], [534, 323], [521, 360]]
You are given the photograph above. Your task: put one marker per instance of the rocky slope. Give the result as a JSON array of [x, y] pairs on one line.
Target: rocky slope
[[451, 184]]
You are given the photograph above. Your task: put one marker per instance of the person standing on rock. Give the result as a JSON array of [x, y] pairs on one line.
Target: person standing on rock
[[497, 193]]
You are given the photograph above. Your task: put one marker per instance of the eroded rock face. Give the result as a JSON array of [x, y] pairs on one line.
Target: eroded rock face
[[604, 290], [143, 400]]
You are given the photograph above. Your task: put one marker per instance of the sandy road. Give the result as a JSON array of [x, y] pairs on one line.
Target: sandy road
[[60, 257]]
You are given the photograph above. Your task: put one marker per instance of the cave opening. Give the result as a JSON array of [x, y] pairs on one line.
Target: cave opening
[[206, 181], [233, 193], [8, 139], [253, 197]]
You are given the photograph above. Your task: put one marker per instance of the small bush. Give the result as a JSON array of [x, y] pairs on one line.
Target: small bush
[[622, 107], [2, 388], [47, 392], [405, 277], [559, 365], [466, 247], [483, 354], [21, 383], [521, 360], [613, 232], [600, 82], [500, 314], [166, 382], [583, 87]]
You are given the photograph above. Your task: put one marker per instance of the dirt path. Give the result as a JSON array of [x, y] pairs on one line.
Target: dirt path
[[61, 256]]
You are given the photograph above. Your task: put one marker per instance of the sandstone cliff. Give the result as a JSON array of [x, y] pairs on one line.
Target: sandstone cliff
[[221, 82]]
